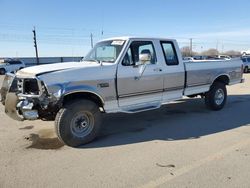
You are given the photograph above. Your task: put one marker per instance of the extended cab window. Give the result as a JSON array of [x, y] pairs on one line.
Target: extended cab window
[[169, 53], [136, 48]]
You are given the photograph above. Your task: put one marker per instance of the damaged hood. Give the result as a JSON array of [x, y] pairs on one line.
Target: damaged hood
[[43, 69]]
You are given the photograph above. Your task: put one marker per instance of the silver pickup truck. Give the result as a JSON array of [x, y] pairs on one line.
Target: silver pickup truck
[[126, 74]]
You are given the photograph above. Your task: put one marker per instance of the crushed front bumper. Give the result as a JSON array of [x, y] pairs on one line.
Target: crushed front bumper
[[14, 107]]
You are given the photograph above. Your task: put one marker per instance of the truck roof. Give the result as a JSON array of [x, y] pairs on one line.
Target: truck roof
[[139, 38]]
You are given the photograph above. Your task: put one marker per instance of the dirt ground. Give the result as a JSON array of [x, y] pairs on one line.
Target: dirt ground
[[180, 145]]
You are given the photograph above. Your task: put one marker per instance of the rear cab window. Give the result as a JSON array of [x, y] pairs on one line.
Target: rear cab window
[[169, 53]]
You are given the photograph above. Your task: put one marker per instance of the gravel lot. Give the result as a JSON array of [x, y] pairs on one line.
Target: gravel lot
[[180, 145]]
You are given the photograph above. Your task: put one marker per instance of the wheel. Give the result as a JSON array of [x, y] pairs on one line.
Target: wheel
[[78, 123], [216, 97], [2, 71], [246, 70]]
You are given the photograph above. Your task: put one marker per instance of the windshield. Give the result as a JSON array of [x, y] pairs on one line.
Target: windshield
[[106, 51]]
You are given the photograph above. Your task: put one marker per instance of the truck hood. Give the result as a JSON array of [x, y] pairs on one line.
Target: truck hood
[[43, 69]]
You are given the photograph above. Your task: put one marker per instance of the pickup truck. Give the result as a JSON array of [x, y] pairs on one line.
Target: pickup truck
[[125, 74]]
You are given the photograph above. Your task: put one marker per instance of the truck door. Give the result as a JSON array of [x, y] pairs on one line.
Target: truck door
[[139, 84], [174, 71]]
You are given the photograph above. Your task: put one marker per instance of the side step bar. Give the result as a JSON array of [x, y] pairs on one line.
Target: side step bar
[[141, 109]]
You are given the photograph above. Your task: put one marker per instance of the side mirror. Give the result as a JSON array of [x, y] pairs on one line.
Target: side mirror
[[144, 58]]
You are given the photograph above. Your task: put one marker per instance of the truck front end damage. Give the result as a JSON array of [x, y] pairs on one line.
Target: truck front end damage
[[26, 98]]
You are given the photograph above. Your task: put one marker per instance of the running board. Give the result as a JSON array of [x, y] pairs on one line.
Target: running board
[[141, 109]]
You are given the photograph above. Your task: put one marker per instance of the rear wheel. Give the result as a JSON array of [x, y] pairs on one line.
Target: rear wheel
[[78, 123], [216, 97], [2, 71]]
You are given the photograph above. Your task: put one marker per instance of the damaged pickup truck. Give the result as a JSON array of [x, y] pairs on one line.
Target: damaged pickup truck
[[125, 74]]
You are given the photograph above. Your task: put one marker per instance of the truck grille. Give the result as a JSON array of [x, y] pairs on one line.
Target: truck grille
[[30, 87]]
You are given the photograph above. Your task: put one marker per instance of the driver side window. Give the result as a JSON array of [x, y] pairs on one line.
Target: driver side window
[[127, 60], [136, 48]]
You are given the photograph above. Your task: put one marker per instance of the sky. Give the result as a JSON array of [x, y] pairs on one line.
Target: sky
[[64, 27]]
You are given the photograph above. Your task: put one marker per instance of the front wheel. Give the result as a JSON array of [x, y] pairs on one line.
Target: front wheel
[[216, 97], [78, 123]]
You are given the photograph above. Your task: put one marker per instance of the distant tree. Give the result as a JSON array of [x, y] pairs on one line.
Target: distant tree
[[233, 53], [210, 52], [185, 51]]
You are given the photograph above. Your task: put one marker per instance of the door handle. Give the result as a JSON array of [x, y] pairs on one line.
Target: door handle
[[157, 69]]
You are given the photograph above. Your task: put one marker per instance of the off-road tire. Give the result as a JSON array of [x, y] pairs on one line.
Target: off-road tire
[[211, 100], [69, 112]]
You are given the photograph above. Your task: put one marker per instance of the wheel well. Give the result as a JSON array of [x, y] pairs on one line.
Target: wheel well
[[83, 95], [223, 79]]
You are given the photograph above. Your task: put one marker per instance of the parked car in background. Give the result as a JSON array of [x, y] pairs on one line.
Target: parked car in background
[[245, 52], [10, 65], [225, 57], [186, 59], [200, 57], [246, 63]]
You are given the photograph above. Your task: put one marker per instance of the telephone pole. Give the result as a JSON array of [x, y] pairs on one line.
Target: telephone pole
[[35, 45], [91, 40], [191, 47]]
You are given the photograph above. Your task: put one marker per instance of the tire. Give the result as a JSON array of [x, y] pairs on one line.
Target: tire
[[2, 71], [216, 97], [78, 123]]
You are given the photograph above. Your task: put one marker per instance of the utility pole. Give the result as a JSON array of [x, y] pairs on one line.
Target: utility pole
[[222, 48], [91, 40], [217, 46], [35, 45], [191, 47]]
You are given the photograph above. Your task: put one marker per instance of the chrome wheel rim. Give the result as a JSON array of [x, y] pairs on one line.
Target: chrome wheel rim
[[82, 124], [219, 97]]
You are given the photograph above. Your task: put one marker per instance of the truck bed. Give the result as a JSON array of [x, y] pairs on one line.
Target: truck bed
[[201, 74]]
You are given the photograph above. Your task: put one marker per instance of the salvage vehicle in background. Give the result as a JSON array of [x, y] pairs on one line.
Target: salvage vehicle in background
[[245, 52], [125, 74], [246, 63], [10, 65]]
